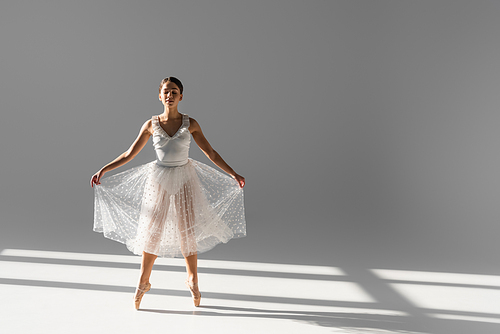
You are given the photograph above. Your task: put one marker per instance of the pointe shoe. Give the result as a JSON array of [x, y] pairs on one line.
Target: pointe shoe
[[195, 292], [140, 293]]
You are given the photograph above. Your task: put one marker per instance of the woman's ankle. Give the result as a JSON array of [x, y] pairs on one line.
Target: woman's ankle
[[143, 283], [192, 279]]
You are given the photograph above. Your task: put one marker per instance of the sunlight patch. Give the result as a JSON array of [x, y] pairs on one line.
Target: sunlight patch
[[437, 277]]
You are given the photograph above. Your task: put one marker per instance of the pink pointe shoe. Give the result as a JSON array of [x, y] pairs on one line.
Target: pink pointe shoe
[[195, 292], [139, 293]]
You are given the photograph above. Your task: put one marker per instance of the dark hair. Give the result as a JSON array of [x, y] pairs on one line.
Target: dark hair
[[174, 80]]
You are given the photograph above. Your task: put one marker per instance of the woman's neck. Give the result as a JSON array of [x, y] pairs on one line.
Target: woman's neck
[[170, 113]]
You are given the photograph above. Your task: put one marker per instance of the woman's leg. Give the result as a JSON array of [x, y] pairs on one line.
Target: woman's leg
[[192, 272], [188, 242], [152, 221], [192, 268], [187, 233], [192, 281], [146, 267]]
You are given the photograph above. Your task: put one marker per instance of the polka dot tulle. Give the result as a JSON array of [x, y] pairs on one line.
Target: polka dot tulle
[[169, 211]]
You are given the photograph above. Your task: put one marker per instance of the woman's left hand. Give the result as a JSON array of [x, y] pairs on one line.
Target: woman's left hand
[[240, 179]]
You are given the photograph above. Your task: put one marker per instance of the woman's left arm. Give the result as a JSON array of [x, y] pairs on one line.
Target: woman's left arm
[[205, 146]]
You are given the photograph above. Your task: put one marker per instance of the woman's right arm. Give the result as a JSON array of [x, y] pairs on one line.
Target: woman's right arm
[[126, 156]]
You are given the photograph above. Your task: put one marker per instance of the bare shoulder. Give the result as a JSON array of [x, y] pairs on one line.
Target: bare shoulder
[[193, 125], [147, 127]]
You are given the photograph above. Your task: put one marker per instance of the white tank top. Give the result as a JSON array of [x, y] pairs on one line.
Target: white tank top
[[171, 151]]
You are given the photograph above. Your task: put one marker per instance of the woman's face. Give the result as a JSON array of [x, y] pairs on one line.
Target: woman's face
[[170, 94]]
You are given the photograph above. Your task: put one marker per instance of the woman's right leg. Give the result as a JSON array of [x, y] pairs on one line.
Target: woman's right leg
[[147, 263], [188, 242], [152, 220], [146, 266]]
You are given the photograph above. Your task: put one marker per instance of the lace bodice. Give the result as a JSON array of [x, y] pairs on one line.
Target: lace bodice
[[171, 151]]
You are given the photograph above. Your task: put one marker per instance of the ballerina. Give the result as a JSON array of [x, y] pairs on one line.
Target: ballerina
[[174, 206]]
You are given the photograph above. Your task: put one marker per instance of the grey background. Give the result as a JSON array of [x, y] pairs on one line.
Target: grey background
[[367, 130]]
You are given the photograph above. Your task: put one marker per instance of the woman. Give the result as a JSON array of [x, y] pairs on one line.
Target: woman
[[174, 206]]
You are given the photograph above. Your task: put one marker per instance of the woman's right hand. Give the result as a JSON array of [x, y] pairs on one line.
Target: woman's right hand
[[96, 178]]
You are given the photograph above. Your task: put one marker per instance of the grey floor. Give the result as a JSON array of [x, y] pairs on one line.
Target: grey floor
[[71, 292]]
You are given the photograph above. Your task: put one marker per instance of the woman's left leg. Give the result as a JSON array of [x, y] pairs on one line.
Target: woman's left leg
[[192, 268], [192, 281]]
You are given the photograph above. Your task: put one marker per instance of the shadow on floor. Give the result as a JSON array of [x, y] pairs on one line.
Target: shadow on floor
[[416, 320]]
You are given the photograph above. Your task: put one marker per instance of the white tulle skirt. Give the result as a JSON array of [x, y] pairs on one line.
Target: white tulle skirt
[[169, 211]]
